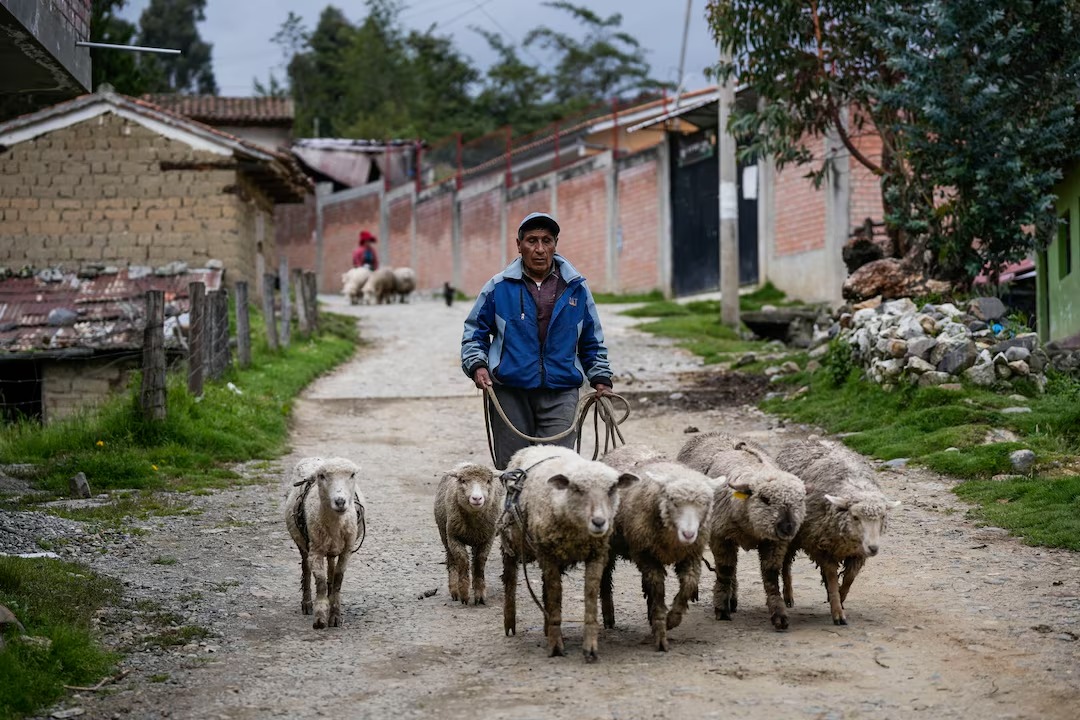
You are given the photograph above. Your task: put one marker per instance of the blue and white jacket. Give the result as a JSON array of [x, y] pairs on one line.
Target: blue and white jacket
[[502, 335]]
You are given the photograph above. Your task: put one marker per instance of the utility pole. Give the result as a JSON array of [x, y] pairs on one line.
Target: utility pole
[[729, 203]]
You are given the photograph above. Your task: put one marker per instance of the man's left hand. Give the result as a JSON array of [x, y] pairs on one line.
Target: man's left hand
[[602, 389]]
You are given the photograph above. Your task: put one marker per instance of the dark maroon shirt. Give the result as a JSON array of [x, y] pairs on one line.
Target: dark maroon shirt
[[545, 296]]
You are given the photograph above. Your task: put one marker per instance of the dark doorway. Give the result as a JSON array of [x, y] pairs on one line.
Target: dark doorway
[[20, 390], [695, 223]]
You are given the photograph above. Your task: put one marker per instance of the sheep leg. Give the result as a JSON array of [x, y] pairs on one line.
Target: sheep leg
[[652, 576], [789, 590], [607, 601], [509, 578], [457, 564], [552, 575], [852, 566], [689, 573], [305, 585], [829, 571], [771, 555], [726, 589], [322, 603], [479, 584], [334, 619], [594, 571]]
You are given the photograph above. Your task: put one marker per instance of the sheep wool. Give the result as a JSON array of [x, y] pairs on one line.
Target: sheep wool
[[468, 501]]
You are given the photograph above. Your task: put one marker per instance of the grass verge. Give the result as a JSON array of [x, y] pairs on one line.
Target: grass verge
[[55, 601], [115, 448]]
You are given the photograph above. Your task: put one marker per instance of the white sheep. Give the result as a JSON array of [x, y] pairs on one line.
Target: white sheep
[[353, 283], [324, 512], [560, 512], [846, 514], [761, 506], [380, 287], [404, 282], [657, 524], [467, 504]]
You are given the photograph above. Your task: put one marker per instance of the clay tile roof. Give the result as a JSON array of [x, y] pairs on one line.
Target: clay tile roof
[[212, 109]]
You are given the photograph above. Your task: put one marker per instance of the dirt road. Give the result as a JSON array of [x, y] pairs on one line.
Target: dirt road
[[950, 621]]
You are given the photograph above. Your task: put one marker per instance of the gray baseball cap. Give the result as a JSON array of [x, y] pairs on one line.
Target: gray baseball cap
[[538, 219]]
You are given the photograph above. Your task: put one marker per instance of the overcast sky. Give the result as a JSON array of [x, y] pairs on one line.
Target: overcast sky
[[240, 31]]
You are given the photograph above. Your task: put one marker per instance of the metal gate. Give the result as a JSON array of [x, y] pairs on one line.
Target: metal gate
[[695, 186]]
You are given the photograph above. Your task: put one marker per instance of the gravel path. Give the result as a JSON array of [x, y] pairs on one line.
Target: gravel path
[[950, 621]]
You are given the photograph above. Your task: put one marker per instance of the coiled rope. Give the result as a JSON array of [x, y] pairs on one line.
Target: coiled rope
[[602, 408]]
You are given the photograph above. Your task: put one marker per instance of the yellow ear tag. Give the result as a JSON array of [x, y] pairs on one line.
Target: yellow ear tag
[[739, 495]]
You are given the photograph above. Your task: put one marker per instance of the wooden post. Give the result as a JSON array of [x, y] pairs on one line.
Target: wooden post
[[312, 288], [268, 311], [243, 325], [222, 352], [286, 303], [302, 318], [153, 363], [196, 337]]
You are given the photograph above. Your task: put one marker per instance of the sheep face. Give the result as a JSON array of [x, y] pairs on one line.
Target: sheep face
[[684, 507], [775, 503], [588, 498], [337, 487], [862, 519], [475, 487]]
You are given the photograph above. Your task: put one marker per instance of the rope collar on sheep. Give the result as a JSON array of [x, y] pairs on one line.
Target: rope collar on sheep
[[301, 518], [600, 405], [514, 481]]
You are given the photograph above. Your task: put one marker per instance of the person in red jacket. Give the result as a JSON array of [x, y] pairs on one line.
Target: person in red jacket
[[365, 254]]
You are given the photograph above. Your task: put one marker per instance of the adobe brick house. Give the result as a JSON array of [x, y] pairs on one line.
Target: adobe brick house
[[264, 121], [106, 178]]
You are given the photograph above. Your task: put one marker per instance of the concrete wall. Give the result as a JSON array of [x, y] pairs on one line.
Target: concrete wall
[[96, 192], [67, 387]]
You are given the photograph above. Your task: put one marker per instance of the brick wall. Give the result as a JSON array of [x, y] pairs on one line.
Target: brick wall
[[865, 186], [400, 229], [67, 387], [481, 241], [583, 219], [639, 222], [517, 209], [434, 241], [800, 209], [95, 192], [294, 234], [342, 223], [76, 13]]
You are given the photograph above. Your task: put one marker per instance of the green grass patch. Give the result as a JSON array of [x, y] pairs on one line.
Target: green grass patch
[[1043, 511], [616, 298], [54, 600], [176, 636], [186, 451]]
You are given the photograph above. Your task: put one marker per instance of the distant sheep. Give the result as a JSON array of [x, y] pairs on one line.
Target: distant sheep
[[564, 515], [324, 512], [404, 282], [761, 506], [846, 514], [380, 288], [353, 282], [658, 523], [467, 504]]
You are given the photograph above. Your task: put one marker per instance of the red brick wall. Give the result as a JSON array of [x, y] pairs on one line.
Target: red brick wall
[[400, 239], [434, 242], [77, 15], [800, 209], [639, 218], [342, 223], [294, 233], [583, 219], [516, 211], [481, 244], [865, 186]]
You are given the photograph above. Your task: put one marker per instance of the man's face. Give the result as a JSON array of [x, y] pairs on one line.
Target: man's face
[[537, 248]]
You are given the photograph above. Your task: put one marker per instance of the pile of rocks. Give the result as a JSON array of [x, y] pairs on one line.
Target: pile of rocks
[[896, 342]]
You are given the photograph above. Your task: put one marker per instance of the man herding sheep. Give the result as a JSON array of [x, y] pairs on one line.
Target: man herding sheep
[[534, 336]]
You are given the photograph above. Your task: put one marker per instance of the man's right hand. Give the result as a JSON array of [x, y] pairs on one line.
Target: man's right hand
[[482, 378]]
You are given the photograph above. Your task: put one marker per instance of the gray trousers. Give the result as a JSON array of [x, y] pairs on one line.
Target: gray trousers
[[540, 413]]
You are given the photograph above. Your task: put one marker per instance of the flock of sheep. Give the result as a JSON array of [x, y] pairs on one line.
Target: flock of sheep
[[557, 509], [370, 287]]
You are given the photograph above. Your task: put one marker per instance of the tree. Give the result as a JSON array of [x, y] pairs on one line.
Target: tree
[[607, 63], [908, 69], [515, 93], [119, 68], [173, 24], [291, 38]]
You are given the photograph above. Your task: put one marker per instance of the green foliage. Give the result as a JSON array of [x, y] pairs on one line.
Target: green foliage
[[974, 100], [697, 328], [616, 298], [118, 68], [117, 449], [1043, 511], [57, 601], [173, 24], [838, 363]]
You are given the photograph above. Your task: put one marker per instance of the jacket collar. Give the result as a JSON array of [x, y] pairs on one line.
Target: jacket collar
[[569, 273]]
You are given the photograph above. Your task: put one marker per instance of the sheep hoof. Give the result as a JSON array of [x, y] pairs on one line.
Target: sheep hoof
[[453, 596], [609, 624], [479, 601], [334, 620], [557, 651], [307, 608], [590, 656], [464, 599], [780, 622], [789, 603], [674, 619], [319, 623], [839, 621], [722, 614]]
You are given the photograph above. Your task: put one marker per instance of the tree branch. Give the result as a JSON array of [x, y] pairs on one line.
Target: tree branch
[[855, 152]]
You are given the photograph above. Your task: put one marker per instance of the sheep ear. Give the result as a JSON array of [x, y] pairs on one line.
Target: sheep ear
[[840, 503], [740, 486], [892, 504], [626, 480], [559, 481]]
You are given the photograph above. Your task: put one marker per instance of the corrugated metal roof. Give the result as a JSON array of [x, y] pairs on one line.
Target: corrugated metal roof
[[110, 309]]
